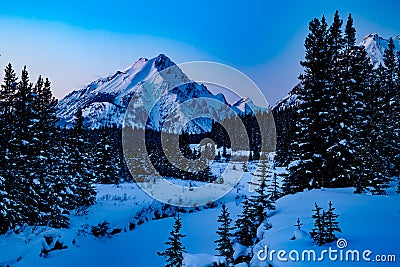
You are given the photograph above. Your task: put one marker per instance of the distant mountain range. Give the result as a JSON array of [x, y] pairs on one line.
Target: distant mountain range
[[104, 101]]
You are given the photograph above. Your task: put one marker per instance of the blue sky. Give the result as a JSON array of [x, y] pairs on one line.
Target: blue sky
[[76, 42]]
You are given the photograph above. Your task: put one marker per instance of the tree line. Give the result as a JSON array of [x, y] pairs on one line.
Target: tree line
[[343, 128], [46, 171]]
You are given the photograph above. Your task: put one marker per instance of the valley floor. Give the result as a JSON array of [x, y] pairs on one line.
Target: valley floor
[[367, 222]]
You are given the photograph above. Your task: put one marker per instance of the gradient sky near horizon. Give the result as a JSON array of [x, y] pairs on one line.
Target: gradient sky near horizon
[[75, 42]]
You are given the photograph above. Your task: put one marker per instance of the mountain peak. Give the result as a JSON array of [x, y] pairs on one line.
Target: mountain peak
[[162, 62], [246, 106], [372, 35], [376, 46], [139, 62], [104, 101]]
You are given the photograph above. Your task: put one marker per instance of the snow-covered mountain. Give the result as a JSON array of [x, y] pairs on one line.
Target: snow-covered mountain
[[246, 106], [104, 101], [289, 100], [376, 46]]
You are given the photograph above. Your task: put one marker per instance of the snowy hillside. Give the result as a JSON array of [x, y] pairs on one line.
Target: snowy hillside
[[367, 222], [246, 106], [289, 100], [120, 206], [157, 85], [376, 46]]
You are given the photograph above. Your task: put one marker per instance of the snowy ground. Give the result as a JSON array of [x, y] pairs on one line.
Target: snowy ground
[[368, 222]]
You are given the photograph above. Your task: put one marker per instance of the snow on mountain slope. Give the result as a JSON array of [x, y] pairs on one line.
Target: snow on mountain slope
[[105, 100], [106, 95], [289, 100], [246, 106], [376, 46]]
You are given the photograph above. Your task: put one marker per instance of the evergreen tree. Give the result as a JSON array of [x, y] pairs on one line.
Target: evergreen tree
[[246, 226], [338, 156], [173, 253], [29, 180], [79, 165], [318, 232], [312, 133], [350, 33], [224, 242], [274, 189], [378, 170], [331, 224], [298, 224], [325, 225], [370, 164], [105, 162], [57, 192], [391, 107], [205, 175], [260, 202], [336, 40], [345, 132], [23, 144], [224, 152], [8, 205]]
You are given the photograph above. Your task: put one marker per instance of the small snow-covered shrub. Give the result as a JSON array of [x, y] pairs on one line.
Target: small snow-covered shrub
[[52, 240], [102, 229]]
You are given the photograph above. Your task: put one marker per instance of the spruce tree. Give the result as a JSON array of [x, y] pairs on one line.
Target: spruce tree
[[274, 189], [246, 225], [338, 156], [318, 232], [362, 121], [23, 146], [312, 133], [336, 40], [8, 204], [175, 248], [350, 33], [79, 165], [57, 192], [331, 224], [105, 159], [365, 121], [390, 82], [224, 242], [381, 141], [298, 224], [260, 202], [29, 178], [325, 225]]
